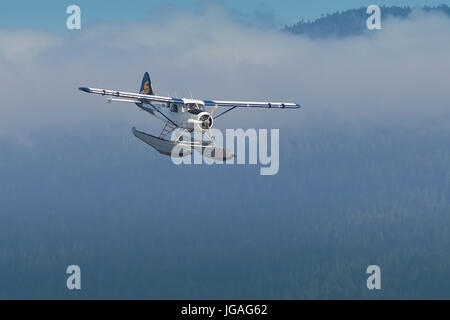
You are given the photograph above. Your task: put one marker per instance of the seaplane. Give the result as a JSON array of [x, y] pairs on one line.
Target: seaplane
[[182, 116]]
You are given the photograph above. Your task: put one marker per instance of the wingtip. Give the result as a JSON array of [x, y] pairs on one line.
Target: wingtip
[[85, 89]]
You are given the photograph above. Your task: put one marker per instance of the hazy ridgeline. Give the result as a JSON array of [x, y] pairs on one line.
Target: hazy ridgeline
[[364, 168], [353, 22]]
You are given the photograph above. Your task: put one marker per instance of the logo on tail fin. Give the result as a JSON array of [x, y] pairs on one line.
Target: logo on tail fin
[[146, 86]]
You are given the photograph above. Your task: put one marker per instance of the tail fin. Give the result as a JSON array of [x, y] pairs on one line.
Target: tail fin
[[146, 86]]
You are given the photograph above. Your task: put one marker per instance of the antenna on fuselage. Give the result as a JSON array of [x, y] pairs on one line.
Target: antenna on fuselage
[[196, 104]]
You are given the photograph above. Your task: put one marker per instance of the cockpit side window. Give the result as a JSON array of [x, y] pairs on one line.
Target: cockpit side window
[[173, 108]]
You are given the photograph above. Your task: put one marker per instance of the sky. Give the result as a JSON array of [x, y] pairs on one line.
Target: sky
[[50, 15], [364, 165]]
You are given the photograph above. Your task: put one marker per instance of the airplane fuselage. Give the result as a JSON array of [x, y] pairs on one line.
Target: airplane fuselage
[[186, 114]]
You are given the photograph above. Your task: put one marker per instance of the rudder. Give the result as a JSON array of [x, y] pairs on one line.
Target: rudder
[[146, 85]]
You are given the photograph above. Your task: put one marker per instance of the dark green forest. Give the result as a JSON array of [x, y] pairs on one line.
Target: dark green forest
[[352, 22], [345, 198]]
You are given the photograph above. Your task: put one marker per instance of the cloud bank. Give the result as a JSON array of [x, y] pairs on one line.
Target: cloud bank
[[395, 77]]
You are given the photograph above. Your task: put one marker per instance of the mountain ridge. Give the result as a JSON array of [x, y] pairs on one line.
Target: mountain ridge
[[352, 22]]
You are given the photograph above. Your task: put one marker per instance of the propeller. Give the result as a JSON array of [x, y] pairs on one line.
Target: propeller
[[205, 122]]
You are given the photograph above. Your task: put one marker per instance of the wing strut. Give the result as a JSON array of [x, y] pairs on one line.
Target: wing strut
[[220, 114], [157, 110], [164, 115]]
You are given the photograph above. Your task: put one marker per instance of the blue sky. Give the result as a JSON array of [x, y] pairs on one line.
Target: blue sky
[[50, 15]]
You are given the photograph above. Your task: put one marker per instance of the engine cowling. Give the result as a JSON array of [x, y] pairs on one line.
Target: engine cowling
[[206, 120], [203, 120]]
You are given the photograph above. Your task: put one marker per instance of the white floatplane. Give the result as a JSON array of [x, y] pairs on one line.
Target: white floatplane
[[181, 116]]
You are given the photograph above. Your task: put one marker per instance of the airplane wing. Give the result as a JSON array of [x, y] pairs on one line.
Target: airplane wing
[[129, 95], [209, 103], [245, 104]]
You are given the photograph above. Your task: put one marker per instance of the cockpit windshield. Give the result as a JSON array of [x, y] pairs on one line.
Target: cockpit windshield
[[194, 108]]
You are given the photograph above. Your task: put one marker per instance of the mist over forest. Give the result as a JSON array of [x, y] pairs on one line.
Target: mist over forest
[[352, 22]]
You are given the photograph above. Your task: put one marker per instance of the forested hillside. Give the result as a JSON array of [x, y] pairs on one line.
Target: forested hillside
[[351, 22]]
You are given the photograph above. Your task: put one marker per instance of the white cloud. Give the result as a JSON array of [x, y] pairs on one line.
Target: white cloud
[[397, 76], [24, 45]]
